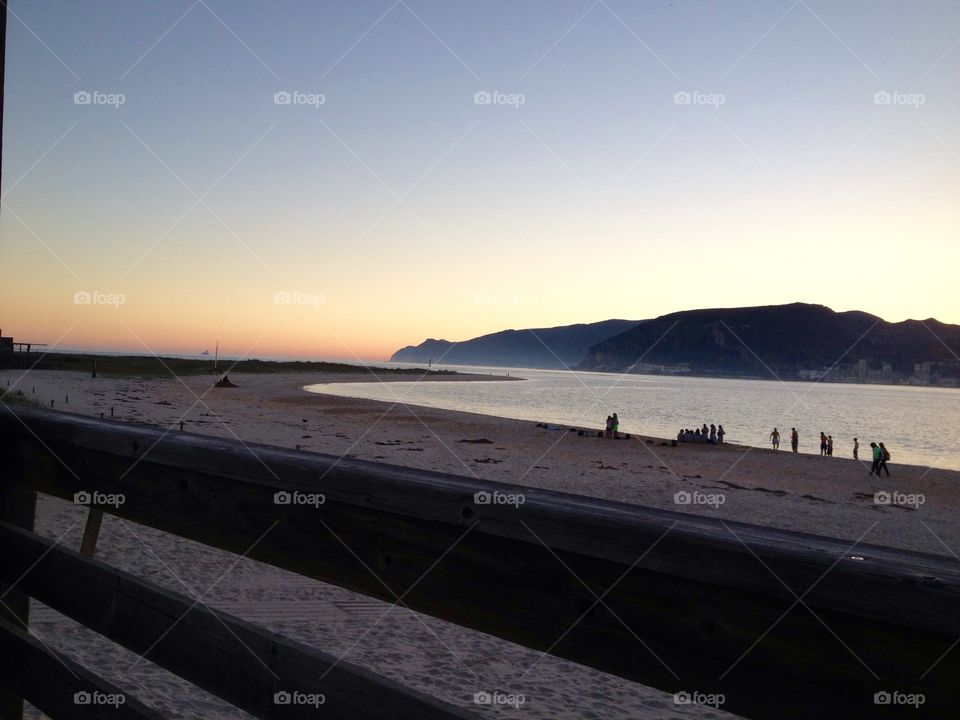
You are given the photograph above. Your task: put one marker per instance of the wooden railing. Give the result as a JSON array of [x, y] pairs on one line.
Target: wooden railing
[[778, 624]]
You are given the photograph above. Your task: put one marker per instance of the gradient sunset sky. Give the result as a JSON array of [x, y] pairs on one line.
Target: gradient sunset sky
[[634, 159]]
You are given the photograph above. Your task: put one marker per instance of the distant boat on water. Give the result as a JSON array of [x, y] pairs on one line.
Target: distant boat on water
[[205, 353]]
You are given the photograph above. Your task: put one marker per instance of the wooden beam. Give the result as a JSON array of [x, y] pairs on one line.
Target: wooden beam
[[59, 687], [242, 663], [688, 603]]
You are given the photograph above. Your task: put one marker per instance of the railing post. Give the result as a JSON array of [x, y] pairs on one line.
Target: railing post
[[88, 546], [18, 505]]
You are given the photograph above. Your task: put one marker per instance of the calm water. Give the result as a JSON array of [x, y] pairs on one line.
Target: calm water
[[918, 424]]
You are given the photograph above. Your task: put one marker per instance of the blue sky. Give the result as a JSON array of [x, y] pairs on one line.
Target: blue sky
[[817, 159]]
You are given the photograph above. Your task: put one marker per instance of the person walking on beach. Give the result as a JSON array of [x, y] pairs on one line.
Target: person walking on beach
[[829, 445], [794, 439], [884, 456], [823, 444], [615, 426], [856, 449], [877, 454], [720, 434], [608, 431], [775, 439]]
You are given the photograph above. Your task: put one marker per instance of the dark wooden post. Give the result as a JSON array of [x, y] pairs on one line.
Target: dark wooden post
[[88, 546], [18, 507]]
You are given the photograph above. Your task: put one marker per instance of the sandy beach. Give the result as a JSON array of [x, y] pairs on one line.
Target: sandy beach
[[829, 496]]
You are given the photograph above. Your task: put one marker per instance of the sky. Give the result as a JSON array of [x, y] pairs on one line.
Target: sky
[[340, 179]]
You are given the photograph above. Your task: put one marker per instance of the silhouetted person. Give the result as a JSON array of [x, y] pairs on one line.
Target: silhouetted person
[[884, 456], [877, 454], [720, 434], [823, 444], [794, 439], [713, 433], [829, 445], [615, 426], [775, 439], [856, 449]]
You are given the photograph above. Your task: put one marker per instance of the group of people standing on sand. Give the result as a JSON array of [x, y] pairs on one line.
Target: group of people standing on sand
[[712, 435], [879, 452], [794, 439]]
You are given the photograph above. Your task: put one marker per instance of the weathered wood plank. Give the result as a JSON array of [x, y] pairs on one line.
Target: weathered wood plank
[[58, 686], [238, 661], [678, 616]]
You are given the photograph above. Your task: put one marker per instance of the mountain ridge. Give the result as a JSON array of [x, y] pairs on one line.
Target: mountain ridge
[[558, 347], [790, 342]]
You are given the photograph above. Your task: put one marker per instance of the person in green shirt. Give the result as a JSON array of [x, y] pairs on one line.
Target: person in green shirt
[[877, 456]]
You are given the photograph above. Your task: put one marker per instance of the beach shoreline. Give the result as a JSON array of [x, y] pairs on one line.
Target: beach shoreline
[[277, 409], [833, 497]]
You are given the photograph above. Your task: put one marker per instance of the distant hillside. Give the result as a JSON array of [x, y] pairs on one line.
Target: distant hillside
[[556, 347], [792, 341]]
